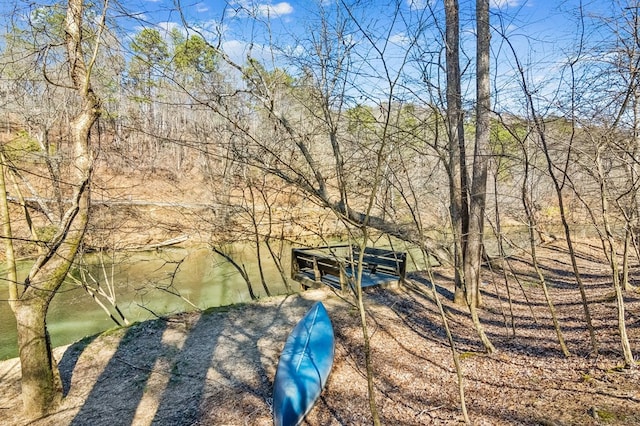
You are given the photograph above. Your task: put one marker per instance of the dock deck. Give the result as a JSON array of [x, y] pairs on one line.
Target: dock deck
[[336, 266]]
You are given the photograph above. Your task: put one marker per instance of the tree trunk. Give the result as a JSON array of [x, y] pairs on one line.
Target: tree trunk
[[532, 227], [41, 389], [558, 185], [41, 384], [478, 195], [7, 235], [624, 284], [251, 210], [458, 208], [629, 362], [472, 246], [368, 359]]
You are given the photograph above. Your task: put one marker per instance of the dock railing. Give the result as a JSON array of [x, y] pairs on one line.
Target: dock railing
[[336, 266]]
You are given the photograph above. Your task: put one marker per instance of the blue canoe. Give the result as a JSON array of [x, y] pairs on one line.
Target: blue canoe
[[304, 366]]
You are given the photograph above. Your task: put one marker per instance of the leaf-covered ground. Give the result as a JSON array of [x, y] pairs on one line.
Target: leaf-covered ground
[[217, 368]]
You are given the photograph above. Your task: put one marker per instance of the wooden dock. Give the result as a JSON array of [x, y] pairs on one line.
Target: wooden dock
[[336, 266]]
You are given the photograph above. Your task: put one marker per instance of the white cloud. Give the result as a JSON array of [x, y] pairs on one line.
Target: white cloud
[[400, 39], [261, 9], [279, 9], [499, 4], [418, 4], [168, 26], [238, 51]]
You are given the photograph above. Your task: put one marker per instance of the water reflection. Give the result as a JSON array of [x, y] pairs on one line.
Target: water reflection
[[146, 284]]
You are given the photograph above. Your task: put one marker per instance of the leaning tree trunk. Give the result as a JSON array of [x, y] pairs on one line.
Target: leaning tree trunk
[[558, 184], [41, 384], [7, 235], [41, 388], [532, 226]]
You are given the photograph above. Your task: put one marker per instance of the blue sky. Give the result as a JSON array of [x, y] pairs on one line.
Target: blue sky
[[544, 22], [543, 32]]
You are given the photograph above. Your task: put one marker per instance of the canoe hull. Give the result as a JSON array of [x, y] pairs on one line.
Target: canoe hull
[[304, 366]]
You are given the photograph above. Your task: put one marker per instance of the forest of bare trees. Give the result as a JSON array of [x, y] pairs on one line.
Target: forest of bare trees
[[427, 123]]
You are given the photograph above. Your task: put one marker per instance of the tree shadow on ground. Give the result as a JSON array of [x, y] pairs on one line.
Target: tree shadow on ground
[[534, 337], [218, 350], [186, 386], [69, 360], [187, 369], [245, 366], [121, 385]]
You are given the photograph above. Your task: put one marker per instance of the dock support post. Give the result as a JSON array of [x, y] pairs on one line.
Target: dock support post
[[316, 271]]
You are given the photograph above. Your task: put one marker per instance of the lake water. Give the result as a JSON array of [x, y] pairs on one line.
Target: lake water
[[144, 282]]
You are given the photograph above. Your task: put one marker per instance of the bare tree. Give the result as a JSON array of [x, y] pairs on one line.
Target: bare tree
[[609, 245], [467, 204], [477, 198], [457, 168], [41, 388], [558, 174], [533, 230]]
